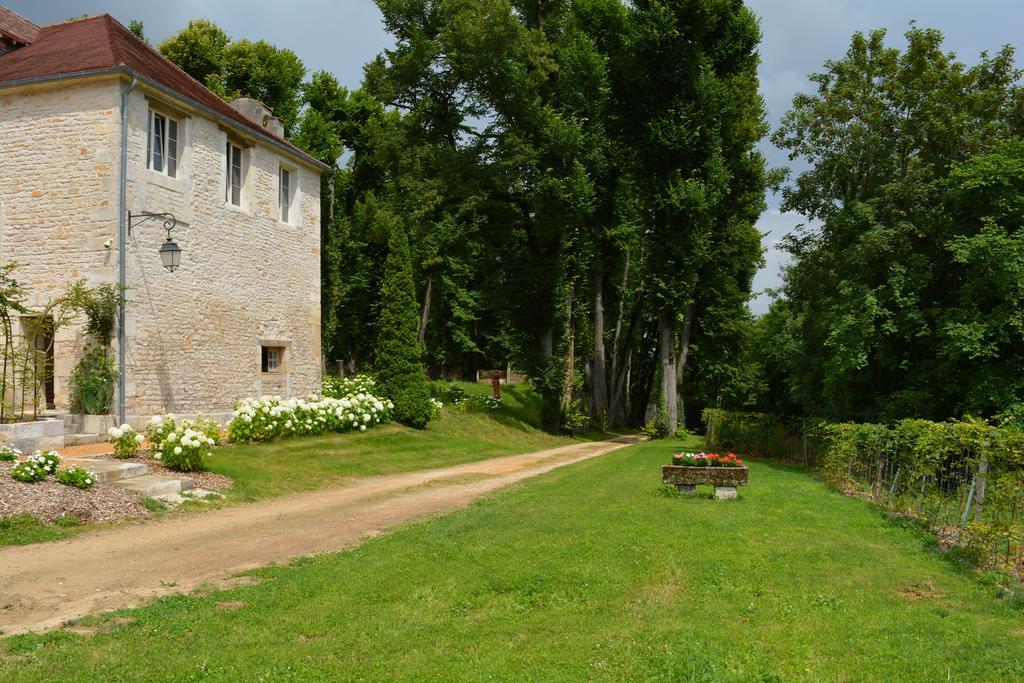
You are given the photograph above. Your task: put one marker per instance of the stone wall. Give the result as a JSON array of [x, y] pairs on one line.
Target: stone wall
[[246, 278], [58, 196]]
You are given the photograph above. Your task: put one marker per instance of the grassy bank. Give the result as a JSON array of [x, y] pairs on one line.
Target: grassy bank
[[591, 572], [291, 465]]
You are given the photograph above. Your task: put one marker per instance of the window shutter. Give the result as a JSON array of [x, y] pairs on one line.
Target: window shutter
[[149, 139]]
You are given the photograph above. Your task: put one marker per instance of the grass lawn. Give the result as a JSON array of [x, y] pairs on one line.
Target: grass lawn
[[590, 572], [301, 464]]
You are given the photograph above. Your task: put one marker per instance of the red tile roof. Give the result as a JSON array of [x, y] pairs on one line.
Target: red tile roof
[[102, 42], [17, 27]]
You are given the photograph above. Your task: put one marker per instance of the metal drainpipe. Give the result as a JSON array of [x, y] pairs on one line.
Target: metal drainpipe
[[122, 250]]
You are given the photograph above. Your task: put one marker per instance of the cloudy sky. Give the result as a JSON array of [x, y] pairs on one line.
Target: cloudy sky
[[799, 35]]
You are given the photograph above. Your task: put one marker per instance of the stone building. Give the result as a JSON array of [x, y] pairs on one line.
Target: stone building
[[241, 315]]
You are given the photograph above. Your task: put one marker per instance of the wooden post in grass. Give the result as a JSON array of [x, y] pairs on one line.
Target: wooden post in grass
[[979, 495]]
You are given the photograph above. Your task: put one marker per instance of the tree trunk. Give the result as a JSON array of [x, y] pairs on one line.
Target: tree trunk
[[570, 353], [666, 348], [622, 308], [599, 383], [426, 310], [621, 358], [550, 411], [684, 352]]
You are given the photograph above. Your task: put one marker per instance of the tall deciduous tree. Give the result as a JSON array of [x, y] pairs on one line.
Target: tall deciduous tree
[[912, 176], [688, 100], [232, 69]]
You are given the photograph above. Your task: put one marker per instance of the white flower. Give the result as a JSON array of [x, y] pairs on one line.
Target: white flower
[[126, 427], [115, 433], [173, 436], [139, 438], [362, 428], [177, 450]]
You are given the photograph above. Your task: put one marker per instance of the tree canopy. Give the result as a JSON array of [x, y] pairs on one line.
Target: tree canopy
[[906, 302], [578, 188]]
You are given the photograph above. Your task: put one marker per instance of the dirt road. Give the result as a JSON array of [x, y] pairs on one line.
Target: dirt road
[[44, 585]]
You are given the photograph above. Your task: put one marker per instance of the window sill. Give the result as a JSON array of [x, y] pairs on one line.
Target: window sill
[[240, 209], [177, 184]]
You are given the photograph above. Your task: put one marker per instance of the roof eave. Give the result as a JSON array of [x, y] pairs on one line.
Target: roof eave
[[309, 161]]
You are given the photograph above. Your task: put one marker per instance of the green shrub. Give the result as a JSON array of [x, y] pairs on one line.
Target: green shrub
[[76, 477], [657, 427], [574, 419], [92, 382], [456, 394], [100, 306], [413, 406], [9, 454], [752, 433], [398, 362]]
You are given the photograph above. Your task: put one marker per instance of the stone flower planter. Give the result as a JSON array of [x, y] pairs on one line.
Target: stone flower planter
[[724, 479]]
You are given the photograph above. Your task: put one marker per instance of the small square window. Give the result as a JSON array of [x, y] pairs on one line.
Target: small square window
[[271, 358]]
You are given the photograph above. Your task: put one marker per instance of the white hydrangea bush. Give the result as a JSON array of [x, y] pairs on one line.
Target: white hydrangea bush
[[269, 417], [160, 427], [347, 387], [185, 448], [125, 439]]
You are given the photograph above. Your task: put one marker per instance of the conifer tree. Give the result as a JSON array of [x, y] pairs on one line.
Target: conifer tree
[[399, 363]]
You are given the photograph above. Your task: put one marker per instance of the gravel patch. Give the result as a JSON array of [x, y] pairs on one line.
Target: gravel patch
[[48, 500]]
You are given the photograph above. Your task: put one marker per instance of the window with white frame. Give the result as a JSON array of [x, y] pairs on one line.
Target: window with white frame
[[286, 194], [233, 179], [162, 144], [271, 358]]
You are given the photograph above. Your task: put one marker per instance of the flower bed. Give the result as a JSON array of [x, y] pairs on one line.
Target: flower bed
[[269, 417], [50, 500], [182, 446], [706, 460], [724, 472]]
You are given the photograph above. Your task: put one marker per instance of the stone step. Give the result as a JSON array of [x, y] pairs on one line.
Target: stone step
[[83, 439], [110, 471], [150, 485]]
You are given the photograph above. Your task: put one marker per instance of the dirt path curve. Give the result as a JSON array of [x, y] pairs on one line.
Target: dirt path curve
[[42, 586]]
